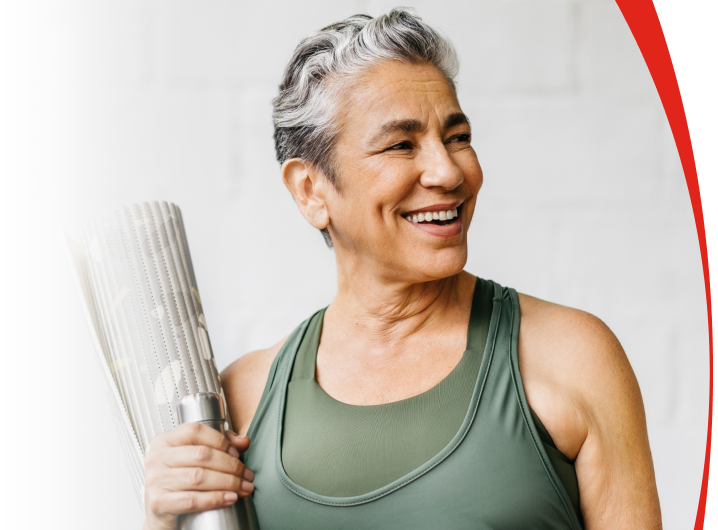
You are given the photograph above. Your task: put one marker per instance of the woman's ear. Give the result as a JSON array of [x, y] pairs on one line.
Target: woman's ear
[[308, 189]]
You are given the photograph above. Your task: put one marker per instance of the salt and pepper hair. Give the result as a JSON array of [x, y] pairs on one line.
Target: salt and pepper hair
[[324, 63]]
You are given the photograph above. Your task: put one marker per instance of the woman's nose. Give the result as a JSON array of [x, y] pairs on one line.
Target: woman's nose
[[440, 170]]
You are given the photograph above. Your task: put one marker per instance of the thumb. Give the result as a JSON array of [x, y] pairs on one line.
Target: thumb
[[238, 441]]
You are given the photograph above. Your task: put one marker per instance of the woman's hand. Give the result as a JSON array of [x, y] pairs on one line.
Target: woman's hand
[[193, 468]]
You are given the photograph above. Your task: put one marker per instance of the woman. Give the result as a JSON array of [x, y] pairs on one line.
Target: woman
[[423, 396]]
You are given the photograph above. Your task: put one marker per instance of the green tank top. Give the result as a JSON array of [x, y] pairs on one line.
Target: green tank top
[[343, 450], [489, 463]]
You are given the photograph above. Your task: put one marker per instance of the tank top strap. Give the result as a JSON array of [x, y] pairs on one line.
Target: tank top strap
[[486, 293], [306, 358]]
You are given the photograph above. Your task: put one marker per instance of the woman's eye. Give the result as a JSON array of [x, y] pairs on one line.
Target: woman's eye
[[400, 146], [460, 138]]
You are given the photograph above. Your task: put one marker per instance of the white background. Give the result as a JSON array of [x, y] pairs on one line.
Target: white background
[[105, 103]]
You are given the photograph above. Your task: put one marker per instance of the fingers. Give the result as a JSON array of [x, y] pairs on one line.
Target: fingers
[[194, 468], [203, 479], [203, 456], [197, 467], [198, 479], [197, 434], [181, 502], [238, 441]]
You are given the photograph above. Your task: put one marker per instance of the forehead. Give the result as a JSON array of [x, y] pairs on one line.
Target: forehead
[[394, 90]]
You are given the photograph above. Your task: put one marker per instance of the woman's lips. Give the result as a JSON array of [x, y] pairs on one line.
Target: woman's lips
[[435, 208], [448, 216], [447, 230]]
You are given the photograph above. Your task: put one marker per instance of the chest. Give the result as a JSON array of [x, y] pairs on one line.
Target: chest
[[492, 475], [384, 377]]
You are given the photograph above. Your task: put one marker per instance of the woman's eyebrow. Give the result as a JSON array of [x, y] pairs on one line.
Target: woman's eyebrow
[[456, 119], [408, 125], [411, 125]]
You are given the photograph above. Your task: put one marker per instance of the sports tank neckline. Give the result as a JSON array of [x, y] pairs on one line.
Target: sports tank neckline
[[351, 500], [326, 441], [496, 473]]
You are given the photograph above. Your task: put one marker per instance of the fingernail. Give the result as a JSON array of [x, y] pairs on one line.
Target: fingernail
[[247, 474], [230, 496], [233, 451], [247, 486]]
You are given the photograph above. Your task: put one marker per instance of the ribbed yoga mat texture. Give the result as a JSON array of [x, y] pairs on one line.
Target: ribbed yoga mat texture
[[142, 303]]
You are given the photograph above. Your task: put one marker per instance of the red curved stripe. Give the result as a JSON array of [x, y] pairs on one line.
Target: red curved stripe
[[646, 28]]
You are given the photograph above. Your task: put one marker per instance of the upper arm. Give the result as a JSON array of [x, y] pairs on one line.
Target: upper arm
[[579, 382], [243, 382], [614, 466]]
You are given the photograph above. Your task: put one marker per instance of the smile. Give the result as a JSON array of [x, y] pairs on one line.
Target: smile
[[441, 217]]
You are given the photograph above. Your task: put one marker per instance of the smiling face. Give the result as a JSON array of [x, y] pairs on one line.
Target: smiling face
[[408, 176]]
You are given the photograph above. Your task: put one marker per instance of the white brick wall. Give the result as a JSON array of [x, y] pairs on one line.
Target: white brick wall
[[584, 201]]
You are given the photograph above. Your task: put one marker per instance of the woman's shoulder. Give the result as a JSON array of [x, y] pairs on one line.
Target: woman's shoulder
[[243, 382], [580, 384], [559, 325], [578, 340], [575, 371]]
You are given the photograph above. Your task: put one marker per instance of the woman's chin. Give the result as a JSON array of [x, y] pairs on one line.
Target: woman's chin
[[436, 265]]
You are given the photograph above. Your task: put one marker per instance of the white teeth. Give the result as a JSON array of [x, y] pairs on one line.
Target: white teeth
[[445, 215]]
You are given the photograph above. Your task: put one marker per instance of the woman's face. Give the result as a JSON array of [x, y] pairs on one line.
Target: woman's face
[[404, 153]]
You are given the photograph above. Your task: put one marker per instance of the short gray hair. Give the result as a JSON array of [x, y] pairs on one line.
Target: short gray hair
[[306, 107]]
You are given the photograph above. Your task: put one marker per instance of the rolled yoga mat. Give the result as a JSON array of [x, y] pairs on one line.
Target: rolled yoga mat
[[142, 303]]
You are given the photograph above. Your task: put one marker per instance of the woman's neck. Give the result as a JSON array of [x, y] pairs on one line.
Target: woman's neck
[[388, 312], [384, 341]]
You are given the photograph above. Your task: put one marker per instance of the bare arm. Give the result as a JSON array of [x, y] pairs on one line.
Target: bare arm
[[243, 382], [579, 382]]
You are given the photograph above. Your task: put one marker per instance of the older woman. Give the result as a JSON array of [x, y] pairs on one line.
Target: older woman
[[422, 397]]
